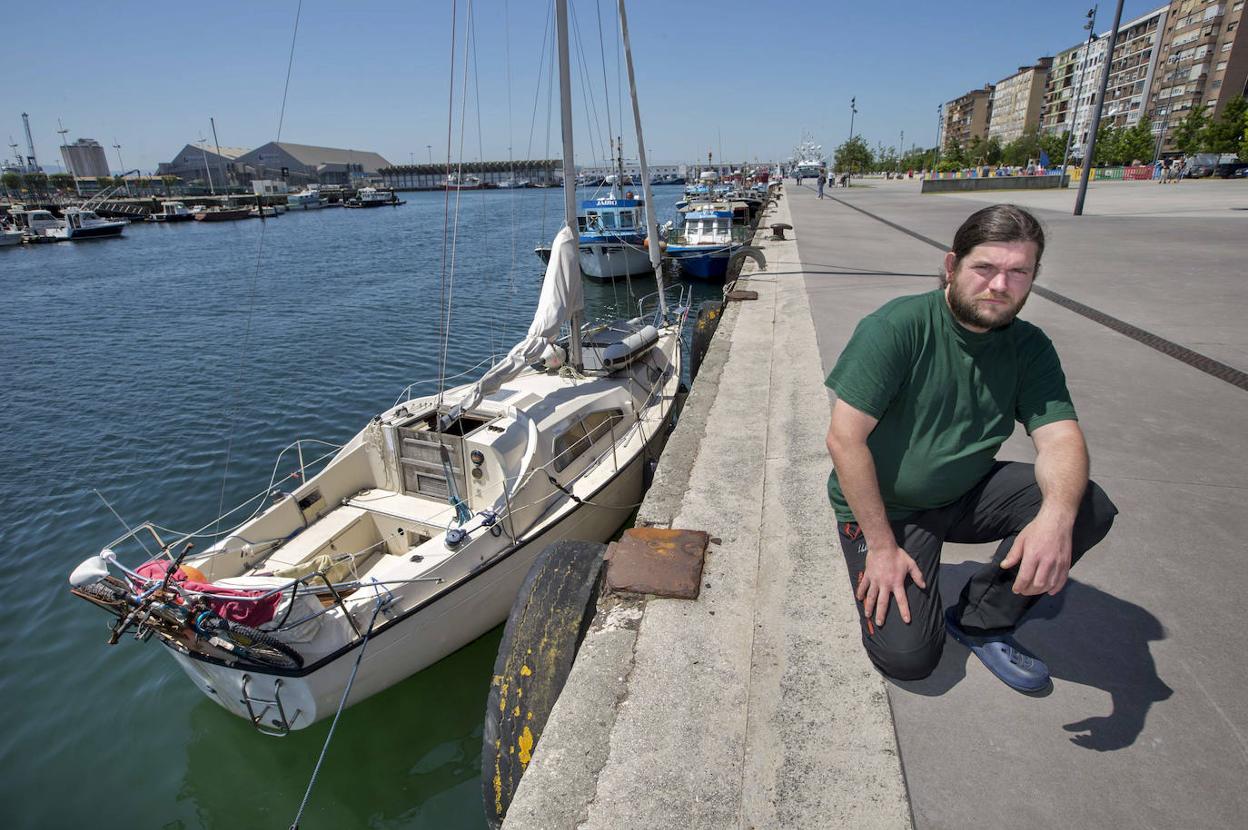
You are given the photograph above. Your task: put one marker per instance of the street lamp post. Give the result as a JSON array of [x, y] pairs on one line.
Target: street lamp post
[[1096, 113], [67, 156], [429, 147], [1090, 25], [940, 124], [203, 145], [853, 110], [1161, 134], [122, 166]]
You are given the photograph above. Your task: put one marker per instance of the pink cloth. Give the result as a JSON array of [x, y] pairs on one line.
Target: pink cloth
[[247, 613]]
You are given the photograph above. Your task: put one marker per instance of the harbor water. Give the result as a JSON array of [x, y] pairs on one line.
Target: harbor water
[[167, 370]]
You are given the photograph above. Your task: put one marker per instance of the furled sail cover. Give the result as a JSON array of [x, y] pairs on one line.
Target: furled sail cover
[[562, 296]]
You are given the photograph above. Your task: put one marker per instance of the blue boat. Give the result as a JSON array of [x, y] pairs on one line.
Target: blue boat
[[704, 244]]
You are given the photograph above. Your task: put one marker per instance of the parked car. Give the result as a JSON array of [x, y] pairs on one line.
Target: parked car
[[1200, 166], [1228, 169], [1224, 165]]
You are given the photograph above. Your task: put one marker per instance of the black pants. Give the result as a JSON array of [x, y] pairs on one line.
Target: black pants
[[995, 509]]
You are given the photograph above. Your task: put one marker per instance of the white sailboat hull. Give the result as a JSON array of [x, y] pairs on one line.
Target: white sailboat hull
[[452, 620]]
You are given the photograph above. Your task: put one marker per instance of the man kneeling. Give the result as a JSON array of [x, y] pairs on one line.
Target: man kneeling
[[928, 388]]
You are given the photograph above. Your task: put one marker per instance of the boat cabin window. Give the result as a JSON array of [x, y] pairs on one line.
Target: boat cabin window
[[592, 222], [572, 443], [608, 220], [626, 219]]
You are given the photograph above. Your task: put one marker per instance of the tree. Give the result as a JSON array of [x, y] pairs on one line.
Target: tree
[[104, 182], [1054, 144], [1107, 151], [954, 154], [992, 150], [12, 180], [1189, 132], [61, 181], [976, 150], [853, 156], [1243, 140], [1226, 133], [1135, 144]]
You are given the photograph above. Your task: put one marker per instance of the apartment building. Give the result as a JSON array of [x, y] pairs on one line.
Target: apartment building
[[1203, 62], [1017, 101], [1137, 52], [1071, 87], [967, 117]]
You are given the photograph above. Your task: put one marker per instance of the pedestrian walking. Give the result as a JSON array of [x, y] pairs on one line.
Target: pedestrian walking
[[820, 182], [913, 471]]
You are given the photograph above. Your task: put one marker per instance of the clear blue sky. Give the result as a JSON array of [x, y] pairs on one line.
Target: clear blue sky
[[749, 77]]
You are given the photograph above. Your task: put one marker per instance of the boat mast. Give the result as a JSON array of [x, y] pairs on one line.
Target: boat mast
[[652, 224], [569, 169]]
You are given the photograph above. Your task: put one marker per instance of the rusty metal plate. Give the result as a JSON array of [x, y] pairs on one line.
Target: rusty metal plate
[[742, 294], [661, 561]]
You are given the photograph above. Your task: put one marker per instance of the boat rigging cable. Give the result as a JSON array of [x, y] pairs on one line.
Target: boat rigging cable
[[342, 704], [232, 405], [446, 205]]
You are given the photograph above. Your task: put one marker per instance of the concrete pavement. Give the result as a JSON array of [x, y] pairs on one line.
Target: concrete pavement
[[754, 706], [1147, 723]]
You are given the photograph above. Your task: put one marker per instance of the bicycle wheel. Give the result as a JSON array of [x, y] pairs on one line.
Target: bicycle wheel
[[259, 646]]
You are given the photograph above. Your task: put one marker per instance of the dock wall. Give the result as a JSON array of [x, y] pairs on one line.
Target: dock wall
[[754, 705]]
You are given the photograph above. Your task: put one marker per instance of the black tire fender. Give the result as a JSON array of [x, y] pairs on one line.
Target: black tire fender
[[547, 622]]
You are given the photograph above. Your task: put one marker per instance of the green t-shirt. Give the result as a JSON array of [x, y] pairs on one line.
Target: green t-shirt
[[946, 398]]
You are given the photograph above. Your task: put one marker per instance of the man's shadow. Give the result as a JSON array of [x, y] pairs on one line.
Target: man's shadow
[[1085, 636]]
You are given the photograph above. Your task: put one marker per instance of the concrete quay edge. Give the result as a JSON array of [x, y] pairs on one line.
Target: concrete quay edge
[[753, 706]]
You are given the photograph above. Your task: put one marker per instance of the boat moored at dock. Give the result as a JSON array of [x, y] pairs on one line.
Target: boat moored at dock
[[222, 214], [371, 197], [307, 199], [613, 238], [705, 243], [80, 224], [171, 212]]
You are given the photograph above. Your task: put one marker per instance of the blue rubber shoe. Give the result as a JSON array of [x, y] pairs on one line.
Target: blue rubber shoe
[[1003, 656]]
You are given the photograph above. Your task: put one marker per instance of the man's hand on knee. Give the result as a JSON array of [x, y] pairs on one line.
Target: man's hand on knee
[[884, 577], [1042, 551]]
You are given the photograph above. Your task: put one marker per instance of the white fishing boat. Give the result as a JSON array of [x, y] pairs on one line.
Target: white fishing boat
[[37, 223], [414, 537], [612, 233], [371, 197], [172, 212], [10, 236], [808, 159], [469, 182], [80, 224], [307, 199]]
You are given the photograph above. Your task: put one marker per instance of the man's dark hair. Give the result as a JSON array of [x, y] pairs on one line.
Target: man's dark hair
[[998, 223]]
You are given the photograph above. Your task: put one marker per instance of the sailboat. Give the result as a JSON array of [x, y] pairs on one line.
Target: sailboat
[[415, 536]]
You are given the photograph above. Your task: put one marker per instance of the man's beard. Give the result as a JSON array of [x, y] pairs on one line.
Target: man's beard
[[968, 312]]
